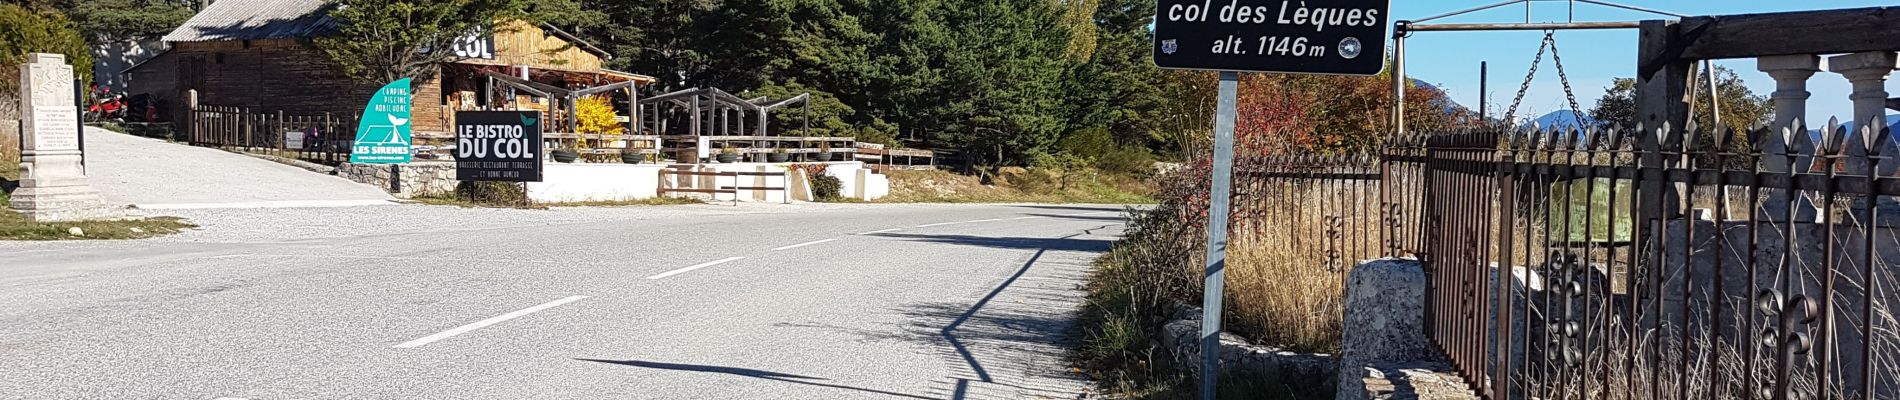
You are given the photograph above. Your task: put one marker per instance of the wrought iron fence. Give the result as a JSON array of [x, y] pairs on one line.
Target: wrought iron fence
[[323, 139], [1622, 263], [1589, 264]]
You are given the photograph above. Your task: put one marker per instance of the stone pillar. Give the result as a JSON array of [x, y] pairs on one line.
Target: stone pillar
[[1868, 72], [1791, 95], [52, 181]]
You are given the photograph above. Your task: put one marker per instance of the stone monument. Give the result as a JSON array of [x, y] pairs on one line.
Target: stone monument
[[52, 179]]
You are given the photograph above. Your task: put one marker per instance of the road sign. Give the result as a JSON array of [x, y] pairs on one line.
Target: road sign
[[1342, 37], [383, 137], [498, 146]]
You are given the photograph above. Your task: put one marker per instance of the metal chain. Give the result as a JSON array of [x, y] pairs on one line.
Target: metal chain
[[1551, 38], [1526, 88]]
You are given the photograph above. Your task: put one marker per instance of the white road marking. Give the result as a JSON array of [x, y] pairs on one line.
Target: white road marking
[[485, 323], [1023, 218], [882, 231], [690, 269], [803, 244], [378, 258], [983, 220], [938, 224], [1092, 214]]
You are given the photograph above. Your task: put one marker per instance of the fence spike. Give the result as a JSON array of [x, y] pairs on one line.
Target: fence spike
[[1758, 138], [1722, 136], [1833, 137], [1874, 135]]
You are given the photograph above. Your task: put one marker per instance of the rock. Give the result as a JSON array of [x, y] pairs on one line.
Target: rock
[[1181, 337], [1385, 303], [75, 231], [137, 230]]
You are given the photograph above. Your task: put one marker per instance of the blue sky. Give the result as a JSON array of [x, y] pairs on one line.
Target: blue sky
[[1450, 59]]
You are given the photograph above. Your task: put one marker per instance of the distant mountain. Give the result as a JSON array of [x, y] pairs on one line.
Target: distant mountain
[[1564, 119], [1893, 126], [1449, 106]]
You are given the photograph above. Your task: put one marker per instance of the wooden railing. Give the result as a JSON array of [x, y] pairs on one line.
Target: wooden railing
[[323, 139]]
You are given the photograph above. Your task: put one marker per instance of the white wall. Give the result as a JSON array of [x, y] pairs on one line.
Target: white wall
[[566, 183]]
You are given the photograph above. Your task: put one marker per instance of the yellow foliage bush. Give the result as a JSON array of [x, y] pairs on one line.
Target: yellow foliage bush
[[596, 115]]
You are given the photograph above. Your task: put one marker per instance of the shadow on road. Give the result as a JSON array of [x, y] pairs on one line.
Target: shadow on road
[[750, 373], [1104, 207], [1014, 338], [1066, 243], [1103, 218]]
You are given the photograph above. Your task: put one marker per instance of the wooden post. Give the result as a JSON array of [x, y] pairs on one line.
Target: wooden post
[[191, 115], [1661, 102]]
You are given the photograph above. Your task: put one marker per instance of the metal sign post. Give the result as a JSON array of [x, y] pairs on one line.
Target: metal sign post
[[1340, 37], [1217, 216]]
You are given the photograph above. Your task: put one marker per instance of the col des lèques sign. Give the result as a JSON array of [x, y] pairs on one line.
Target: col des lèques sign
[[383, 135]]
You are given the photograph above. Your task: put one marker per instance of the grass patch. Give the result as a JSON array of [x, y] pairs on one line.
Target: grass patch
[[1019, 185], [1280, 291], [14, 226]]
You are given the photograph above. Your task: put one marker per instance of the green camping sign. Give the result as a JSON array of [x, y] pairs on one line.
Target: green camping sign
[[383, 135]]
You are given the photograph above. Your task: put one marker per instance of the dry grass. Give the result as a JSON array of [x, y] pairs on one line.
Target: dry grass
[[1018, 185], [1287, 269]]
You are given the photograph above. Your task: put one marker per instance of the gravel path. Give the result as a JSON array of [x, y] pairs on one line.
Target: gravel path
[[154, 174]]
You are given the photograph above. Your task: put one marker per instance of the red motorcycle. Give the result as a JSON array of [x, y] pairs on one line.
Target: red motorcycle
[[105, 106]]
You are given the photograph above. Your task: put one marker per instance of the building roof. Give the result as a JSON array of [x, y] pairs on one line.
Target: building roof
[[256, 20], [287, 19]]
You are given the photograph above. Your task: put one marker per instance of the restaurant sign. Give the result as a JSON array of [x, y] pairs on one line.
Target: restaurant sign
[[499, 146]]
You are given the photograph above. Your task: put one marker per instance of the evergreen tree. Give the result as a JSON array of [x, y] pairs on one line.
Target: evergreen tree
[[1007, 71]]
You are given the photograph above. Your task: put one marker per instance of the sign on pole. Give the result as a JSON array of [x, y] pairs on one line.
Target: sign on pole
[[383, 135], [1339, 37], [498, 146]]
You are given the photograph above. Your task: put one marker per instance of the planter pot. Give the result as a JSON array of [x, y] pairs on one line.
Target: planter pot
[[824, 156], [777, 157], [727, 158], [632, 158], [564, 156]]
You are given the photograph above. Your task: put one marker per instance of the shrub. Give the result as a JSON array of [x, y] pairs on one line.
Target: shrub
[[1134, 160], [596, 115], [827, 188], [500, 194], [25, 31], [1091, 143]]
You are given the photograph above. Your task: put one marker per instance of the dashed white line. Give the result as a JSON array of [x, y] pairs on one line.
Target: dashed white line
[[983, 220], [938, 224], [690, 269], [803, 244], [485, 323], [1022, 218], [881, 231]]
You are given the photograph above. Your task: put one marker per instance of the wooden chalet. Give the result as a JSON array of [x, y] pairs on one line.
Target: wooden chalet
[[257, 55]]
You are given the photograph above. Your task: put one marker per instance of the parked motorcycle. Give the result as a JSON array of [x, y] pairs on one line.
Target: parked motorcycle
[[105, 105]]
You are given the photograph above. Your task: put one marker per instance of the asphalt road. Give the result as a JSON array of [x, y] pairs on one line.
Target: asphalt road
[[689, 302]]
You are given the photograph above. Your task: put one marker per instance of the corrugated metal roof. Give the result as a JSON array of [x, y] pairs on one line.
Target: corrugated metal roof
[[255, 20]]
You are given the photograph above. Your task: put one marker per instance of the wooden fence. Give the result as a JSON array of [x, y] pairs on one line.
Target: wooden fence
[[323, 139]]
